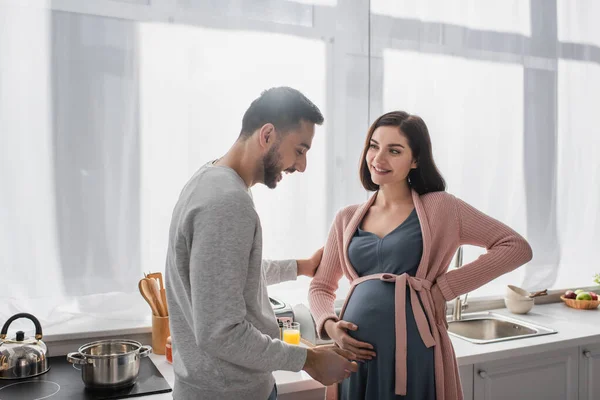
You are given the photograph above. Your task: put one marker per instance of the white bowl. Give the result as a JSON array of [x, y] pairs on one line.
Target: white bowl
[[514, 292], [518, 306]]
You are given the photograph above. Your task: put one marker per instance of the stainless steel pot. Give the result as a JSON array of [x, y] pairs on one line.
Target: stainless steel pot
[[109, 364]]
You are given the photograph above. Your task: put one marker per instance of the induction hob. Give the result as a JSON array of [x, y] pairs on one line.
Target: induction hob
[[64, 382]]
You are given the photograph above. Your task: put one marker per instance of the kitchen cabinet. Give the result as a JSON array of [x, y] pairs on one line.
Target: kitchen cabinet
[[466, 380], [314, 394], [589, 372], [550, 375]]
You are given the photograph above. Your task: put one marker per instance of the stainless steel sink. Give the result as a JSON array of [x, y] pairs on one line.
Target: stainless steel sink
[[489, 327]]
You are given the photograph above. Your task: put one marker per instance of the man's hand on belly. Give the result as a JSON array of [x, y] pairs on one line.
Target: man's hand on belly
[[329, 364]]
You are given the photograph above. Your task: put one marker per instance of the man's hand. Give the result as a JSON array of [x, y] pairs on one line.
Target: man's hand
[[309, 267], [329, 364]]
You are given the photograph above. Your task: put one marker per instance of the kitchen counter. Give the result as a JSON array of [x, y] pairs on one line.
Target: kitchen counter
[[286, 381], [575, 328]]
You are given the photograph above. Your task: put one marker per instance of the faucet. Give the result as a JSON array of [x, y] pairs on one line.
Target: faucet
[[459, 305]]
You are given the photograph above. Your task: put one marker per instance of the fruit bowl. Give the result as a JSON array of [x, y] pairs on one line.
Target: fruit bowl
[[581, 304]]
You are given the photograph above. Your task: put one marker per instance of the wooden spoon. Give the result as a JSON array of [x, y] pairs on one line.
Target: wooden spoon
[[146, 292], [162, 309], [163, 295], [537, 294]]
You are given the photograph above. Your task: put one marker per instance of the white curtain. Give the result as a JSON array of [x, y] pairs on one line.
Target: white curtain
[[69, 237], [578, 186], [578, 143], [28, 240], [474, 112], [508, 91], [191, 113], [102, 121]]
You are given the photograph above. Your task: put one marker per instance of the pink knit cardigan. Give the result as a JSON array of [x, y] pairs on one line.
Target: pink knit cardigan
[[446, 223]]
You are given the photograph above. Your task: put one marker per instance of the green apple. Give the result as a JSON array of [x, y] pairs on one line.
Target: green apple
[[584, 296], [579, 291]]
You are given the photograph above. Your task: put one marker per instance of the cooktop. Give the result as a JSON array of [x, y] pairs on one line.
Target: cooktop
[[63, 381]]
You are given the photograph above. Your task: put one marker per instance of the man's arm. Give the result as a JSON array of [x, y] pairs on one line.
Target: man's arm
[[221, 242], [288, 270], [277, 271]]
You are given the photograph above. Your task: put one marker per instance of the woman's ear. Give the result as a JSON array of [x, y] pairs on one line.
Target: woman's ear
[[414, 164]]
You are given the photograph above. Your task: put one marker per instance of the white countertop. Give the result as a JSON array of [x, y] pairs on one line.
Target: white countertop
[[575, 328], [286, 381]]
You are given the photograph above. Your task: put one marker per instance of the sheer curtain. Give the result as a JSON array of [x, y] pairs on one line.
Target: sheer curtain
[[104, 117], [191, 113], [578, 186], [102, 121], [578, 142], [28, 241], [507, 90], [69, 236], [474, 112]]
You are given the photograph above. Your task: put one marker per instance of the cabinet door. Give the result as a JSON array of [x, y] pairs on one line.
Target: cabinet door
[[589, 372], [314, 394], [466, 380], [550, 376]]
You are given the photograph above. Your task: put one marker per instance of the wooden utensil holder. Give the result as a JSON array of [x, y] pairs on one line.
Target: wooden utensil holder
[[160, 333]]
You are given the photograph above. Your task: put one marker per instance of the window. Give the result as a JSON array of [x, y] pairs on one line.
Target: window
[[191, 113], [102, 125], [577, 21], [505, 16], [474, 112], [578, 186]]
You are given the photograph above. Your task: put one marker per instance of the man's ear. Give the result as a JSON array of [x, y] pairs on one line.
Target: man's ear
[[266, 135]]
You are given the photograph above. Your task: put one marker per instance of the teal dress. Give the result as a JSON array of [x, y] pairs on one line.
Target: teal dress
[[371, 307]]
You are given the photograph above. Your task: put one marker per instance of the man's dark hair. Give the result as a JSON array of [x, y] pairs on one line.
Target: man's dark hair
[[283, 107]]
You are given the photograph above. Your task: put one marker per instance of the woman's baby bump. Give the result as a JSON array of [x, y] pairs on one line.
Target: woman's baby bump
[[372, 308]]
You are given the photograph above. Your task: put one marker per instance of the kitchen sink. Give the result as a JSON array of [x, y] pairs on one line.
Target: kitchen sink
[[489, 327]]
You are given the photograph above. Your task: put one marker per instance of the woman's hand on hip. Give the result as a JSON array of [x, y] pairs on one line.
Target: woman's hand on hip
[[439, 305], [338, 332]]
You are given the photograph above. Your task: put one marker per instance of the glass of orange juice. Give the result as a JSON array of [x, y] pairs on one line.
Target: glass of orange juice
[[291, 333]]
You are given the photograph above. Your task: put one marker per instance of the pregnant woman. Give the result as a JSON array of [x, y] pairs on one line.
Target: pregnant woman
[[395, 250]]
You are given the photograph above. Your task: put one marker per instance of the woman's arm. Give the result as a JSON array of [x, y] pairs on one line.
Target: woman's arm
[[321, 294], [506, 250], [322, 297]]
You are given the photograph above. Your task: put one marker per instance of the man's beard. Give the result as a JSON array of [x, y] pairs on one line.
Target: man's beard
[[271, 167]]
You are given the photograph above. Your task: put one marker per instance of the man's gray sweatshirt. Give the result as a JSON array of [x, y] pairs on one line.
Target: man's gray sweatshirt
[[223, 328]]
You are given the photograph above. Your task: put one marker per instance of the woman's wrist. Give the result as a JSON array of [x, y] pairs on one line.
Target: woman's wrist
[[327, 326]]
